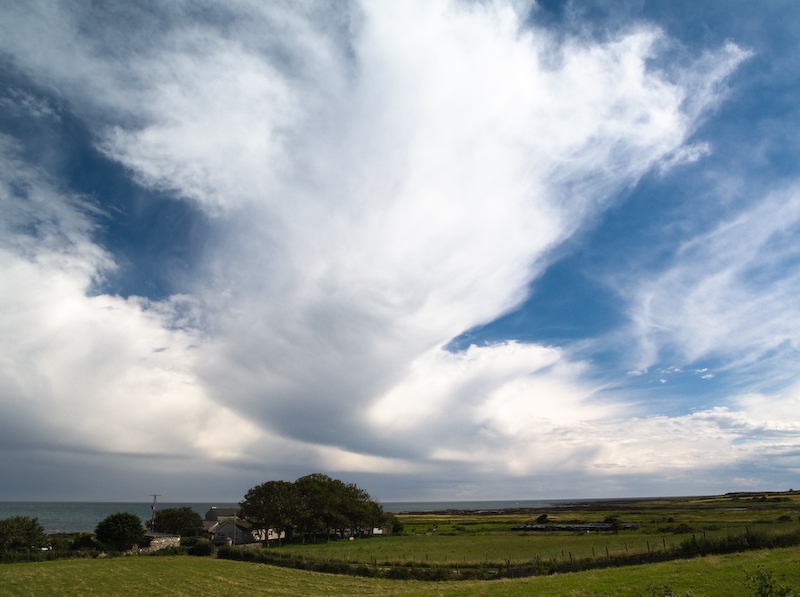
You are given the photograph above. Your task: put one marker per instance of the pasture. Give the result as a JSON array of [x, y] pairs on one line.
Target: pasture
[[713, 576], [470, 539]]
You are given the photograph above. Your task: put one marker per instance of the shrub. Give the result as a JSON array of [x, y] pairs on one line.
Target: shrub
[[120, 531], [170, 551], [20, 533], [763, 584], [201, 548]]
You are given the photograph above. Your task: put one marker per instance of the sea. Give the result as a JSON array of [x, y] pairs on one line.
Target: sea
[[75, 517]]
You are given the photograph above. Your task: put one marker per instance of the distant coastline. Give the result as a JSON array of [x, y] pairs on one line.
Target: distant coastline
[[73, 517]]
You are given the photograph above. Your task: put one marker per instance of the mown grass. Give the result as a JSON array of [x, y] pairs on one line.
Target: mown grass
[[499, 547], [474, 538], [713, 576]]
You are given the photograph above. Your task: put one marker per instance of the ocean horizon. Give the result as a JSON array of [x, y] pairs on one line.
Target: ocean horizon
[[75, 517]]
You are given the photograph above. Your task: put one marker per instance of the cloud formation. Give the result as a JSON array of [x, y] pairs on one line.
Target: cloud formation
[[728, 294], [379, 178]]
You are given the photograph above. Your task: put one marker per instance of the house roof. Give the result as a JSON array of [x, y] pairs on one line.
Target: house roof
[[215, 513], [242, 524]]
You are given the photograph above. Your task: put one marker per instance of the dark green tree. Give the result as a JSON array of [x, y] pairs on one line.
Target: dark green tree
[[616, 523], [312, 504], [21, 533], [178, 521], [395, 523], [361, 512], [120, 531], [272, 505], [320, 504]]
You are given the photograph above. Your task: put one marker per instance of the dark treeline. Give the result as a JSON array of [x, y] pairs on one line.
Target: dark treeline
[[313, 505]]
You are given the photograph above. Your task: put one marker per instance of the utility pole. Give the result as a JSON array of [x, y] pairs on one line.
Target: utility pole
[[153, 521]]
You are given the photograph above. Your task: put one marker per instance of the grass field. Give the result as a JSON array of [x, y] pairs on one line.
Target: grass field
[[468, 538], [472, 538], [714, 576]]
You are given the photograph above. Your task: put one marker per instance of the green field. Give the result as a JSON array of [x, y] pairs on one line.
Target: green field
[[472, 538], [468, 539], [714, 576]]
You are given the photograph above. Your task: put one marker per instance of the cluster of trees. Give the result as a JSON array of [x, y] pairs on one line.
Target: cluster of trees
[[20, 533], [121, 530], [178, 521], [312, 505]]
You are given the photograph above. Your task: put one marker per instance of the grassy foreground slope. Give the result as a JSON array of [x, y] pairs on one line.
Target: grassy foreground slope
[[713, 576]]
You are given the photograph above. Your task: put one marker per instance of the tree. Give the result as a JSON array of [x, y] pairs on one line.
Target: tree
[[320, 504], [178, 521], [120, 531], [360, 511], [271, 505], [21, 533], [616, 523], [312, 504], [395, 523]]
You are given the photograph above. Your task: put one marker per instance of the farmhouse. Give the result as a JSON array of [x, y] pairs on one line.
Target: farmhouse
[[225, 525], [215, 515]]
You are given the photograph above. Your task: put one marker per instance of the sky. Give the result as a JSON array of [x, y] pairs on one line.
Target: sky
[[444, 249]]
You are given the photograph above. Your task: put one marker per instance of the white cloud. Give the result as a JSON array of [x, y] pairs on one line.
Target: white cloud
[[375, 190], [730, 293], [90, 372]]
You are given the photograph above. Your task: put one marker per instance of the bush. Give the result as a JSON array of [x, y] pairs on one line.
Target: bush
[[397, 525], [120, 531], [763, 584], [201, 548], [170, 551], [85, 542], [20, 533]]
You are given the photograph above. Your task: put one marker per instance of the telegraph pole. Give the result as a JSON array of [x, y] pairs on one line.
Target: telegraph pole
[[153, 521]]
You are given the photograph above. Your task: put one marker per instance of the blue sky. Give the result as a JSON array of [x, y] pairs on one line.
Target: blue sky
[[447, 249]]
